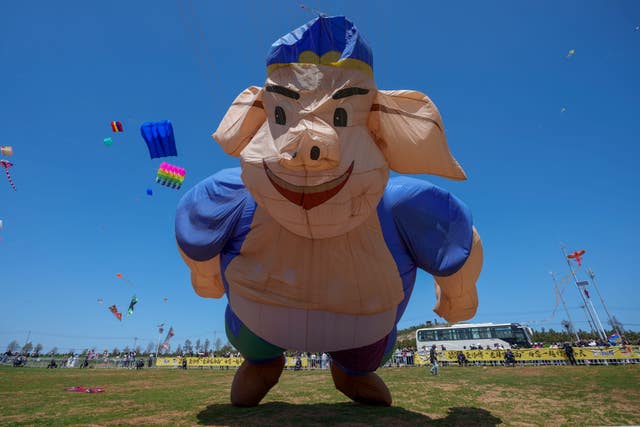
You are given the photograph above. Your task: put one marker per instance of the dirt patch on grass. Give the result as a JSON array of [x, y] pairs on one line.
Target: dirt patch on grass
[[521, 371], [495, 395], [15, 419], [447, 387]]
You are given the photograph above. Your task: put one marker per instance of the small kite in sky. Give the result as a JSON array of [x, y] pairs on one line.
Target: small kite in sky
[[170, 175], [165, 299], [159, 138], [577, 256], [115, 312], [120, 276], [571, 53], [165, 344], [6, 165], [149, 192], [108, 142], [637, 28], [134, 301], [563, 110], [100, 300], [6, 150], [117, 126]]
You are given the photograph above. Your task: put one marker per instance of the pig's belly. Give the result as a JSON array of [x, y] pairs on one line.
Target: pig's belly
[[353, 273], [311, 330], [315, 294]]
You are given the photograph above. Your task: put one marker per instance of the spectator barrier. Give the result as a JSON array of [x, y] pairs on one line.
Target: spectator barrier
[[524, 357]]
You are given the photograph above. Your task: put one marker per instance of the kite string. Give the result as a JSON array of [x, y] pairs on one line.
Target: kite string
[[312, 10], [197, 39], [559, 293]]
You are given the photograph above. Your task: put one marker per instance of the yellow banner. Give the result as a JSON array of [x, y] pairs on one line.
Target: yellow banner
[[291, 362], [535, 354], [232, 362], [192, 362], [168, 361], [525, 355]]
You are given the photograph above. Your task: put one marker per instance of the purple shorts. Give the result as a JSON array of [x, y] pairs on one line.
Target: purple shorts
[[362, 360]]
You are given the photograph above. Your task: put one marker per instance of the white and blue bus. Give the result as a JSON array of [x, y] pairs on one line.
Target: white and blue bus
[[468, 335]]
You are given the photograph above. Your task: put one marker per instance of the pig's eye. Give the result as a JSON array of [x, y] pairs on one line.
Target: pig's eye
[[281, 118], [340, 117]]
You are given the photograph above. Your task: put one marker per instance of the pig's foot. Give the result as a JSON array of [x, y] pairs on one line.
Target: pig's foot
[[368, 389], [254, 380]]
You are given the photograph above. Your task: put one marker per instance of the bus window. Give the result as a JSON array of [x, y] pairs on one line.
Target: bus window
[[502, 332], [426, 336], [443, 335], [520, 337], [461, 334], [480, 333]]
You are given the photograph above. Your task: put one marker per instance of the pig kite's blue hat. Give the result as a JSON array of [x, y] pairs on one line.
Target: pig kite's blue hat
[[332, 41]]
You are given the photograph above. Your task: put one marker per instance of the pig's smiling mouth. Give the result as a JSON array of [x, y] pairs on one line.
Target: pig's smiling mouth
[[308, 196]]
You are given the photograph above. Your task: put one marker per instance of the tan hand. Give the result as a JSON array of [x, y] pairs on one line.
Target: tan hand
[[457, 298]]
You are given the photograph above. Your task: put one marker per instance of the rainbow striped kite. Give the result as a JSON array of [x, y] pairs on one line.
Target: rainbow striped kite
[[170, 175], [117, 126]]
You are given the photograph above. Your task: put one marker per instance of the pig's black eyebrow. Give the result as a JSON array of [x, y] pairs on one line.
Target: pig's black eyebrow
[[343, 93], [283, 91]]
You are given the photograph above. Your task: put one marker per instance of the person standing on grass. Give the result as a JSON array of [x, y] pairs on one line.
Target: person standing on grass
[[324, 360], [510, 358], [433, 358], [569, 352]]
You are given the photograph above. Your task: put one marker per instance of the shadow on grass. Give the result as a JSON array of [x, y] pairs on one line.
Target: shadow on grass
[[340, 414]]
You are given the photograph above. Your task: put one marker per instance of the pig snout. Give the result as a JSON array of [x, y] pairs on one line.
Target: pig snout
[[312, 145]]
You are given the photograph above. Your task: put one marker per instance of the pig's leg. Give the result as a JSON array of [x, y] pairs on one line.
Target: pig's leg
[[352, 372], [253, 381], [261, 368]]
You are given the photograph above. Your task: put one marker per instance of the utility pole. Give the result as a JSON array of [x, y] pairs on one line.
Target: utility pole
[[592, 315], [614, 325], [592, 309], [572, 329]]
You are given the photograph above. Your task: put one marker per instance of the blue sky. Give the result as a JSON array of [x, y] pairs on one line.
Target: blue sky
[[497, 70]]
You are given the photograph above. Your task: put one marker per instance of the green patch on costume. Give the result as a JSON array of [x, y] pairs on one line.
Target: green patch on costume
[[252, 347]]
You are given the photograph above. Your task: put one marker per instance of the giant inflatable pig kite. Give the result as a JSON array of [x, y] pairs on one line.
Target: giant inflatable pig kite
[[315, 247]]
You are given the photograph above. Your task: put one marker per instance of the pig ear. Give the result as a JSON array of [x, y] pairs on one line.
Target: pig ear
[[241, 122], [409, 131]]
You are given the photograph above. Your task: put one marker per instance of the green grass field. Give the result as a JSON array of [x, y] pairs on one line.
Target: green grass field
[[552, 395]]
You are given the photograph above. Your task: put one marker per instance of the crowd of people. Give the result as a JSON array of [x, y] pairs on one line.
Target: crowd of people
[[90, 359], [314, 360], [400, 357]]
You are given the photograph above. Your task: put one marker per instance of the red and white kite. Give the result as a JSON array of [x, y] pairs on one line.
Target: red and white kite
[[115, 312], [577, 255]]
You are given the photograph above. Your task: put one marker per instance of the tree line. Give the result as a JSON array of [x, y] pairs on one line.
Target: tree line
[[406, 339], [188, 348]]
